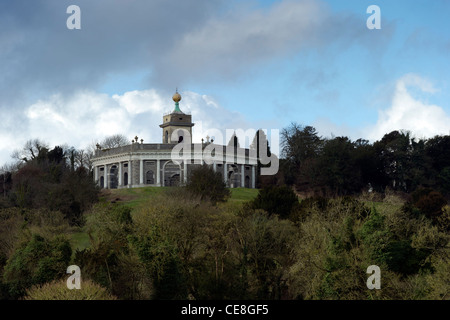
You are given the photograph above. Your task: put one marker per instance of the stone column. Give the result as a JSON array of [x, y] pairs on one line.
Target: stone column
[[120, 175], [96, 174], [106, 175], [225, 176], [185, 171], [242, 175], [130, 174], [214, 166], [141, 172], [158, 173], [253, 177]]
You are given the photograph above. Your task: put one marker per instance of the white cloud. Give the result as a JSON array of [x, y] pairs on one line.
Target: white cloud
[[88, 116], [137, 102], [411, 113], [208, 114]]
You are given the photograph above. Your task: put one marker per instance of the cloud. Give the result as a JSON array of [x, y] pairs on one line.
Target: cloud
[[411, 113], [173, 42], [51, 76], [230, 44], [241, 42], [40, 56], [87, 116]]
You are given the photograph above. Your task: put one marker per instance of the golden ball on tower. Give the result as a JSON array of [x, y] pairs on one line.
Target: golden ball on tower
[[176, 97]]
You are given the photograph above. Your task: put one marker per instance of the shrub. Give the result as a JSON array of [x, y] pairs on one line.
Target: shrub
[[428, 202], [207, 184], [431, 204], [276, 200], [57, 290], [308, 206], [35, 262]]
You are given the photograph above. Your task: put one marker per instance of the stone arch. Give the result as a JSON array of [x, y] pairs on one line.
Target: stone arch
[[171, 174], [150, 177], [113, 179], [233, 176], [174, 180], [247, 181]]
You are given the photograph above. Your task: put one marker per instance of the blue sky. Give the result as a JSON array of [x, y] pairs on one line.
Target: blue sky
[[238, 64]]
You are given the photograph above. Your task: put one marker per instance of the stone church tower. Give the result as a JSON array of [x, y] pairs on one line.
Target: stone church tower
[[175, 121]]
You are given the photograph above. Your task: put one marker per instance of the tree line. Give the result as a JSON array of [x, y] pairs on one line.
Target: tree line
[[58, 178], [340, 166]]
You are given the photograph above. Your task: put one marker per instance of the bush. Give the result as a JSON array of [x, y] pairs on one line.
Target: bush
[[308, 206], [108, 226], [428, 202], [383, 247], [431, 204], [35, 262], [276, 200], [57, 290], [207, 184]]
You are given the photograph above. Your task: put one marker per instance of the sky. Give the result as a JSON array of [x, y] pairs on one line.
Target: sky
[[253, 64]]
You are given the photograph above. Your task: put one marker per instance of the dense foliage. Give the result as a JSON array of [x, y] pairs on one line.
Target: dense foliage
[[360, 204], [208, 184], [50, 181], [339, 166]]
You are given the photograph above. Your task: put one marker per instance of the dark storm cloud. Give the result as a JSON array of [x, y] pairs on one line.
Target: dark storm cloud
[[39, 54], [173, 42]]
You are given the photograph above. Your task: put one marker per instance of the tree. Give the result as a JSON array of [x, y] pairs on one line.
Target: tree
[[35, 262], [340, 173], [428, 201], [109, 226], [114, 141], [300, 147], [5, 183], [437, 150], [394, 151], [263, 245], [48, 181], [30, 151], [365, 159], [207, 184], [276, 200]]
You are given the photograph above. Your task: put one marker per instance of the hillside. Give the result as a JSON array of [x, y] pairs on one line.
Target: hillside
[[133, 197]]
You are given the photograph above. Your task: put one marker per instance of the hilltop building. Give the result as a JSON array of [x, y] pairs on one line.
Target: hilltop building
[[151, 164]]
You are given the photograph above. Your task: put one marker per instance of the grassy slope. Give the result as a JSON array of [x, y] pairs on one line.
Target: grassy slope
[[134, 197]]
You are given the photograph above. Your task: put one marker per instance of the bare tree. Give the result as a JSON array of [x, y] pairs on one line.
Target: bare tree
[[114, 141], [30, 150], [83, 158], [10, 167]]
